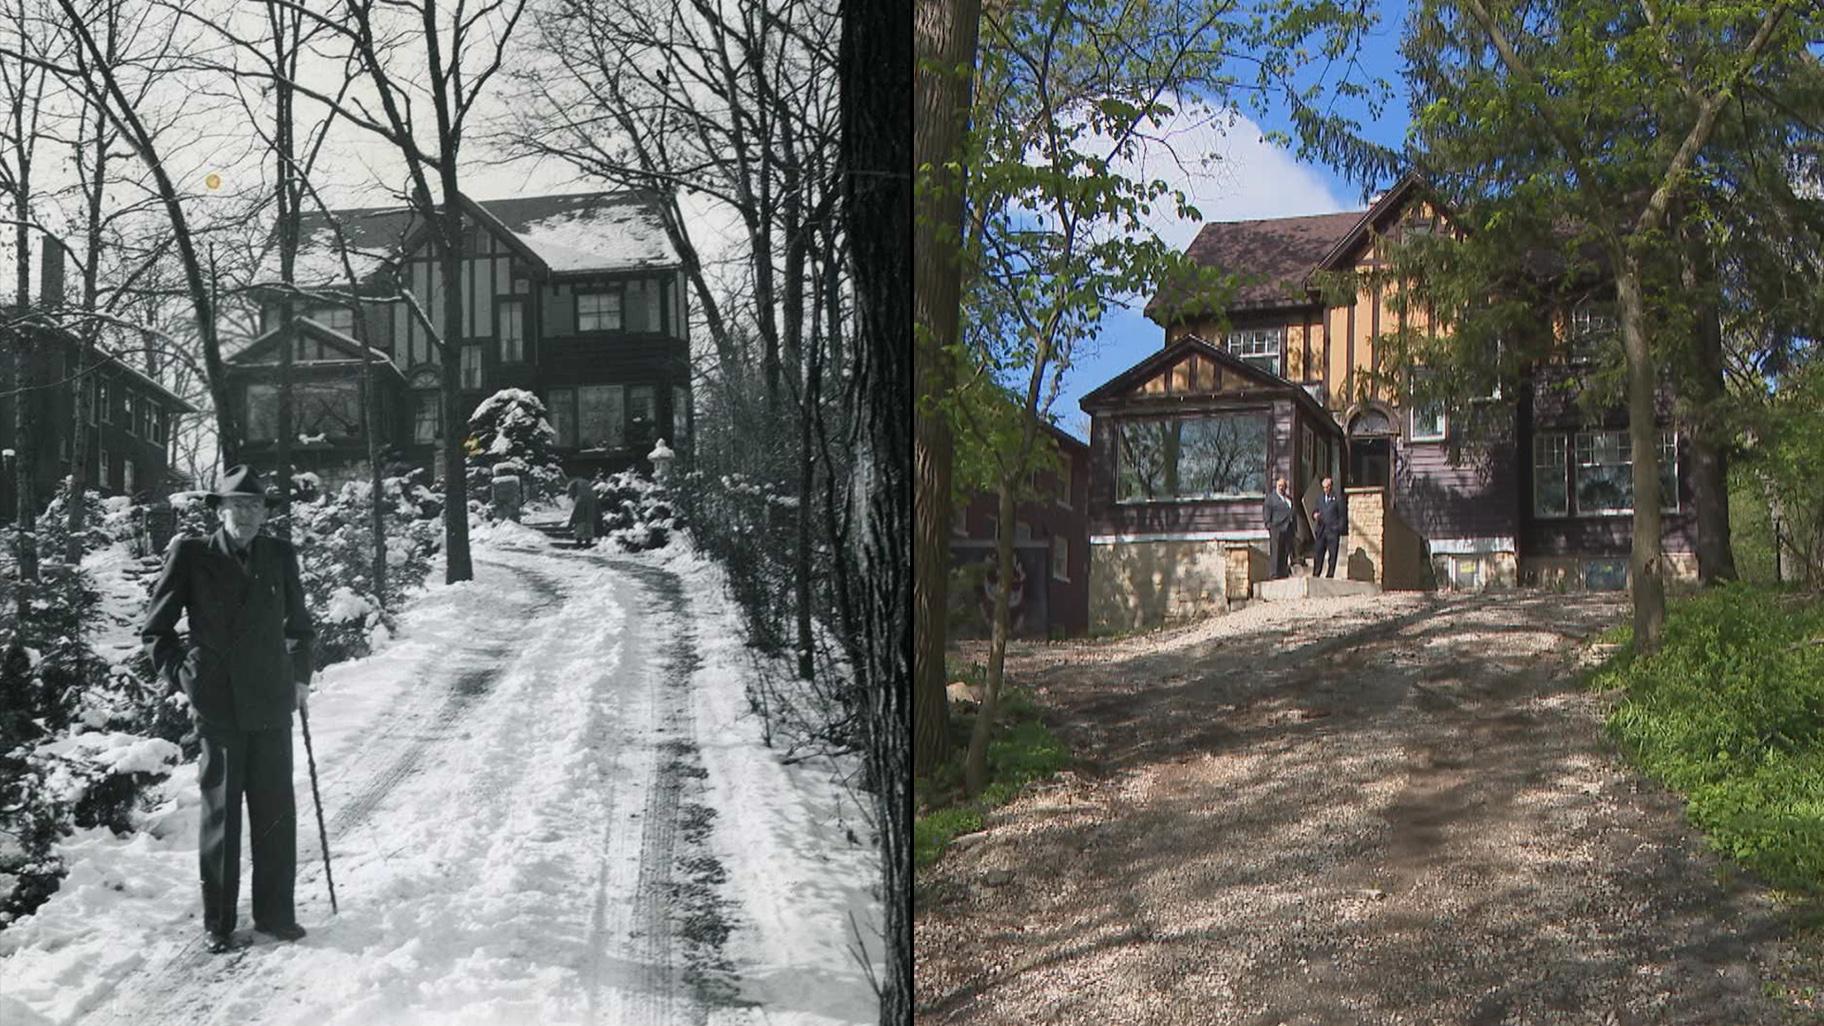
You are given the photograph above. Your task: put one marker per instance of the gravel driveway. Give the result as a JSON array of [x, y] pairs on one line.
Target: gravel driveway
[[1396, 809]]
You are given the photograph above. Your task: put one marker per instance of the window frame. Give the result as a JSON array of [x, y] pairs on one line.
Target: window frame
[[103, 467], [1060, 553], [1668, 460], [1564, 473], [518, 351], [1443, 431], [1262, 414], [418, 411], [464, 354], [326, 316], [1576, 464], [1241, 343], [1592, 321], [104, 400], [602, 292], [564, 399]]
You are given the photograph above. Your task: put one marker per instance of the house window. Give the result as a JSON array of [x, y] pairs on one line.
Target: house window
[[680, 415], [126, 476], [105, 470], [1668, 470], [561, 402], [1258, 346], [598, 311], [1064, 482], [104, 401], [471, 367], [1592, 325], [327, 408], [262, 412], [1604, 472], [92, 385], [1060, 557], [1428, 423], [642, 416], [162, 426], [335, 318], [1210, 457], [148, 417], [602, 422], [641, 308], [1551, 497], [513, 331], [427, 421], [1465, 573]]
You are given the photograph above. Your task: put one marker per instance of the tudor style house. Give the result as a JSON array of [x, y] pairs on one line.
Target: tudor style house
[[129, 422], [577, 298], [1050, 547], [1185, 443]]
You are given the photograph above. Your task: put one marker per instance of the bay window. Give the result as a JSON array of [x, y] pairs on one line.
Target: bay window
[[1208, 457]]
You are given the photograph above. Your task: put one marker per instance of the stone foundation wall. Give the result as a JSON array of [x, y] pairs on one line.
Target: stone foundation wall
[[1139, 584]]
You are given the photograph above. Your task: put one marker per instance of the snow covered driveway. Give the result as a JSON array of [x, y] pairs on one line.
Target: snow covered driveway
[[546, 804]]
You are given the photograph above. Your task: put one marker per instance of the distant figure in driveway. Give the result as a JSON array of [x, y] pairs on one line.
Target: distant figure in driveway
[[1329, 522], [1282, 528], [582, 512]]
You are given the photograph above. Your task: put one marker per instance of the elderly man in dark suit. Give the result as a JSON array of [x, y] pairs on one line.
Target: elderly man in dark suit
[[1282, 528], [245, 666], [1329, 523]]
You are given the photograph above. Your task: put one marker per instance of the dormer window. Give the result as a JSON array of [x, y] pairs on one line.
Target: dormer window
[[1258, 346]]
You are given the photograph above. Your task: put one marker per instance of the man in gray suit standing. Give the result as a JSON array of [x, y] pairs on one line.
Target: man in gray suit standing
[[245, 667], [1282, 528]]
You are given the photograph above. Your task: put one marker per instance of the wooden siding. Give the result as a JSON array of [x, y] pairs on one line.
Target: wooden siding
[[1474, 495]]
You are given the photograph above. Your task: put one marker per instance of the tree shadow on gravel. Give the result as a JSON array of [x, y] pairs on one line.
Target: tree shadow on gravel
[[1393, 821]]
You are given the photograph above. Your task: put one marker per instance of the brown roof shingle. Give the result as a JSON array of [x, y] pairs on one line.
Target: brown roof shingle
[[1272, 256]]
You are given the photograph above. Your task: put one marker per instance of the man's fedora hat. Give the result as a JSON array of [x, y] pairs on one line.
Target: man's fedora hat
[[239, 479]]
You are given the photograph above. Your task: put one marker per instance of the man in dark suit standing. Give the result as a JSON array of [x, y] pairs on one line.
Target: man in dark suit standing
[[1282, 528], [1329, 522], [245, 667]]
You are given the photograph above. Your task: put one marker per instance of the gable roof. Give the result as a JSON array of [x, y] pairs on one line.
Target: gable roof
[[1272, 256], [570, 234], [252, 354], [1163, 359], [1377, 212], [50, 330]]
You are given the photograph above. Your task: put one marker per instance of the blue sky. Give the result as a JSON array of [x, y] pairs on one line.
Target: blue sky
[[1251, 179]]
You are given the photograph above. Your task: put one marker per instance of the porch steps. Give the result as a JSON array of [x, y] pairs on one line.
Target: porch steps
[[1306, 586]]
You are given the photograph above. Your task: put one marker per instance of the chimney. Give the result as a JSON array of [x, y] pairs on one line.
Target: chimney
[[50, 277]]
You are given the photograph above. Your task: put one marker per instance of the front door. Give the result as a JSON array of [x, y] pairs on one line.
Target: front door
[[1370, 462]]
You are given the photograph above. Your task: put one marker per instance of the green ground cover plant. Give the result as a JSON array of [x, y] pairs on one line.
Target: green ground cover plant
[[1021, 751], [1730, 713]]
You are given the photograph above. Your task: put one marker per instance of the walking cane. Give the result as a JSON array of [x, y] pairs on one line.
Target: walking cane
[[322, 834]]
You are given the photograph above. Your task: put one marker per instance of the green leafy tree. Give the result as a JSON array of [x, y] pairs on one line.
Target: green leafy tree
[[1597, 141]]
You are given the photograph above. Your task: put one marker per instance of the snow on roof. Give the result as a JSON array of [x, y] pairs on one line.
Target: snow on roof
[[589, 231]]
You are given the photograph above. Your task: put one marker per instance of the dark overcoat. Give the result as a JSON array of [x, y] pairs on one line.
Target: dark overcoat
[[250, 631], [585, 511], [1332, 516]]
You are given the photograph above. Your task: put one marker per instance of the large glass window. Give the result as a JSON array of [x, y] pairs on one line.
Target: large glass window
[[561, 402], [1604, 472], [600, 414], [427, 424], [1258, 346], [327, 408], [1212, 457], [513, 331], [598, 311], [1551, 497], [262, 412], [642, 416]]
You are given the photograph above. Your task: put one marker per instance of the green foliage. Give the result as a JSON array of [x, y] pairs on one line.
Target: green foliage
[[1730, 712], [1786, 461], [1022, 751]]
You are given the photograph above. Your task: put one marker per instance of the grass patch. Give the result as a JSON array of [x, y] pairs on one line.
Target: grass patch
[[1020, 751], [1730, 713]]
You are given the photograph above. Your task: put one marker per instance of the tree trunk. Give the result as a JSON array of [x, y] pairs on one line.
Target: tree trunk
[[455, 479], [1707, 467], [975, 768], [1645, 571], [25, 383], [76, 512], [945, 39]]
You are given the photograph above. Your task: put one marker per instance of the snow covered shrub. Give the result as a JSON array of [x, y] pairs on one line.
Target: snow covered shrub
[[512, 427], [101, 776], [334, 538], [637, 513]]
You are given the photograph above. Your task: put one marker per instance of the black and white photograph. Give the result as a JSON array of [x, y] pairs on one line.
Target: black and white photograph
[[455, 522]]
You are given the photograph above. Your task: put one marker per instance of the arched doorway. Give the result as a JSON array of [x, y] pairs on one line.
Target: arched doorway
[[1371, 432]]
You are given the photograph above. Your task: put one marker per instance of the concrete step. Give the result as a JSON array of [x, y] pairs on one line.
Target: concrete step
[[1289, 588]]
